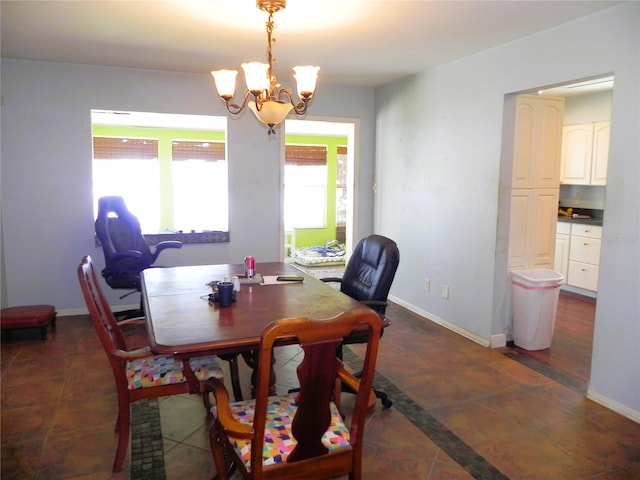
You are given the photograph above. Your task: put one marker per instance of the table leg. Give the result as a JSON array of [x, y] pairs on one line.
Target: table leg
[[251, 359]]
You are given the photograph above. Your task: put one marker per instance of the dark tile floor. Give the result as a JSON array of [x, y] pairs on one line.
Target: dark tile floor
[[461, 411]]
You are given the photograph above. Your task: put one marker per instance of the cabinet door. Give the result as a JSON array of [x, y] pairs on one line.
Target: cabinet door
[[585, 249], [519, 225], [585, 230], [543, 228], [577, 144], [583, 275], [523, 148], [547, 162], [532, 228], [601, 133], [561, 256], [537, 142]]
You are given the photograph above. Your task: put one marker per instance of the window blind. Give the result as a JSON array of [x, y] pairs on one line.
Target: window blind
[[112, 148], [198, 150], [305, 155]]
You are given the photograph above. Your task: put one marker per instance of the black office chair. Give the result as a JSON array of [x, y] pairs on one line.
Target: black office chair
[[368, 277], [126, 252]]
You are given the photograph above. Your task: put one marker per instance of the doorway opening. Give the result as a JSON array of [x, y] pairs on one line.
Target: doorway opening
[[575, 225], [337, 187]]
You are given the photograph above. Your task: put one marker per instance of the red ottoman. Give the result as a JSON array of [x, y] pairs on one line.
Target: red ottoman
[[31, 316]]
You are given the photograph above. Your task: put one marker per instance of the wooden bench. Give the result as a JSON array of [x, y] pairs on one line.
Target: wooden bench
[[29, 316]]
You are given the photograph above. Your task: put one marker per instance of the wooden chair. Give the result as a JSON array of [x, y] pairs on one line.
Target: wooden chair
[[301, 435], [138, 373]]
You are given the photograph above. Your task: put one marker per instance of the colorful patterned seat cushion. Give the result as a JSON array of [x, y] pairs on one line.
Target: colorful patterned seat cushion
[[159, 370], [206, 367], [279, 442]]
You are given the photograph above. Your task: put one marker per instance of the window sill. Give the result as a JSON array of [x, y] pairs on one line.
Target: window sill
[[188, 237], [185, 237]]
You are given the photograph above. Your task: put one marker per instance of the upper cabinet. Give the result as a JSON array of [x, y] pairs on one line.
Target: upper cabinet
[[535, 181], [585, 153], [538, 142]]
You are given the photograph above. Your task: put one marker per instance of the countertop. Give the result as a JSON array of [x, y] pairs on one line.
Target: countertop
[[584, 221], [595, 216]]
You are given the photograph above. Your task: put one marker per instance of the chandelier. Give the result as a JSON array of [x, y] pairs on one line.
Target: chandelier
[[270, 102]]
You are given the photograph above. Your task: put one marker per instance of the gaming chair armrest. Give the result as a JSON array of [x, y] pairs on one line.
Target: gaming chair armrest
[[163, 246], [127, 254]]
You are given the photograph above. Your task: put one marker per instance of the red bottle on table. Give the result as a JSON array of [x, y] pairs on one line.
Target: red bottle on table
[[249, 266]]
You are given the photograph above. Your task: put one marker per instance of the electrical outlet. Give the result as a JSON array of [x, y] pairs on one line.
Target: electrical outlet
[[445, 292], [427, 285]]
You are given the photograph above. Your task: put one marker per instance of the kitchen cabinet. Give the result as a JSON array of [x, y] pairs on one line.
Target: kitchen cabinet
[[577, 254], [535, 181], [537, 142], [561, 257], [585, 153], [584, 256], [532, 228]]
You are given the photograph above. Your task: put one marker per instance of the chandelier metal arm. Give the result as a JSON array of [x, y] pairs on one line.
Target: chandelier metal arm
[[234, 108], [300, 108]]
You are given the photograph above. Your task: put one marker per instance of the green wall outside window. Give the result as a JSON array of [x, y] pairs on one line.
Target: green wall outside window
[[308, 237]]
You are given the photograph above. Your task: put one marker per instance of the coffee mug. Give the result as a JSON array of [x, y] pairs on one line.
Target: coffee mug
[[225, 294]]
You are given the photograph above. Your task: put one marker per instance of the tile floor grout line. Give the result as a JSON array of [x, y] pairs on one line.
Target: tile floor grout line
[[548, 371]]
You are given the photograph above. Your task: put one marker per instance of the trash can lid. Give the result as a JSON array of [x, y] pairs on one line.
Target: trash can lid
[[538, 276]]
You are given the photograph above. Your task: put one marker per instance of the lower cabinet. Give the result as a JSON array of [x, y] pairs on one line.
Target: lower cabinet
[[534, 213], [579, 258], [561, 258], [584, 256]]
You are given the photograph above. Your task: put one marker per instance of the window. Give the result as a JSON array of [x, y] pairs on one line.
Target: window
[[305, 186], [129, 167], [171, 174], [199, 184]]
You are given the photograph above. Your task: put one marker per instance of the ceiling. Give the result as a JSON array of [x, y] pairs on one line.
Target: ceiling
[[364, 43]]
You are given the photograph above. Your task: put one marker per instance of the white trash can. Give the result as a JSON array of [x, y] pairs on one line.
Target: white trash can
[[535, 303]]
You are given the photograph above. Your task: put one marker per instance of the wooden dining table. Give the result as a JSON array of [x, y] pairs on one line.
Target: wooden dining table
[[182, 321]]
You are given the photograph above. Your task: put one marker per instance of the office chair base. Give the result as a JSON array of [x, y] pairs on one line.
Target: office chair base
[[384, 398], [127, 294]]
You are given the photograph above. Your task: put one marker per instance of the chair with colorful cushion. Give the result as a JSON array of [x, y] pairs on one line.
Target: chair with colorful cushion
[[138, 373], [299, 435]]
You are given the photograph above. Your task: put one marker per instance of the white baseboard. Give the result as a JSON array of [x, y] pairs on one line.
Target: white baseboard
[[498, 340], [613, 405], [435, 319], [84, 311]]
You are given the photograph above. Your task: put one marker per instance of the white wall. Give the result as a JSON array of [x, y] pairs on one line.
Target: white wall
[[47, 217], [438, 156]]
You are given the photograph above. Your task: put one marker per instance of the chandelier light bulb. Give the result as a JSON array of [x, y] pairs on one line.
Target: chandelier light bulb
[[306, 80], [256, 76], [225, 82]]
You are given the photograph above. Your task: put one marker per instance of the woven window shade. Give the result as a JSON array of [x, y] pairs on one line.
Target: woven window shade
[[342, 150], [109, 148], [305, 155], [190, 150]]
